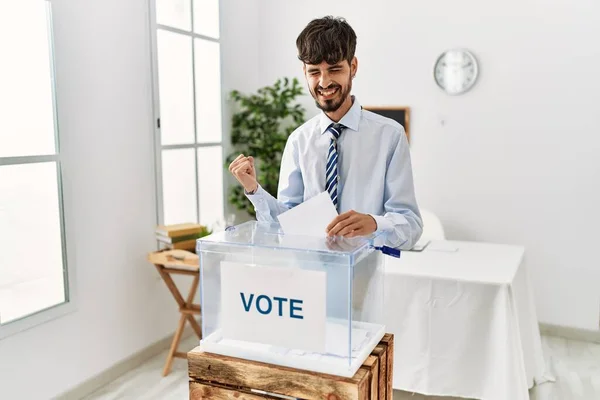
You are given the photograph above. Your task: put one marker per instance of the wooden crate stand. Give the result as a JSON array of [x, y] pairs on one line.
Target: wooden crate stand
[[214, 376]]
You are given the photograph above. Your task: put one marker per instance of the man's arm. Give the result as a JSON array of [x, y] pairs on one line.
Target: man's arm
[[291, 187], [402, 220]]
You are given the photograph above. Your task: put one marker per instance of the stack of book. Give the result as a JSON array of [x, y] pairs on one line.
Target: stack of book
[[180, 236]]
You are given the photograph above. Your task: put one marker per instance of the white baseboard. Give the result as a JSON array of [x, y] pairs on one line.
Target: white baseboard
[[121, 368], [570, 333]]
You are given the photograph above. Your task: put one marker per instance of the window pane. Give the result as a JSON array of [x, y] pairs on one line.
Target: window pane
[[25, 80], [206, 17], [174, 13], [210, 185], [31, 262], [208, 91], [179, 186], [175, 85]]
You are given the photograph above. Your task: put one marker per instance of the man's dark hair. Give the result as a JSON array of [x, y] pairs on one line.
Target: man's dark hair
[[330, 39]]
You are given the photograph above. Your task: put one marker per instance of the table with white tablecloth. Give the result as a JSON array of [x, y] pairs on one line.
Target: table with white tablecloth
[[464, 321]]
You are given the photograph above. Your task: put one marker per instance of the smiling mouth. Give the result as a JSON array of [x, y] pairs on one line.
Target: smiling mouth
[[328, 93]]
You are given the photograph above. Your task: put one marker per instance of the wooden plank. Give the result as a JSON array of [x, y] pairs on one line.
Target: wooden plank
[[191, 311], [379, 352], [364, 387], [201, 391], [175, 271], [372, 365], [208, 367], [388, 339]]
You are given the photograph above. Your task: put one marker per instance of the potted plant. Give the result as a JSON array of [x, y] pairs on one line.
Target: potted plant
[[260, 128]]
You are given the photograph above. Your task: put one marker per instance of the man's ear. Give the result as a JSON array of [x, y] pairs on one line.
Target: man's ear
[[304, 69], [354, 66]]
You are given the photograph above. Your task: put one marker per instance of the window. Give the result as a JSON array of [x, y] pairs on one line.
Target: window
[[33, 270], [187, 87]]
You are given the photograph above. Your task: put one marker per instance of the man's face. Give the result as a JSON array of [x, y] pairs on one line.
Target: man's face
[[330, 84]]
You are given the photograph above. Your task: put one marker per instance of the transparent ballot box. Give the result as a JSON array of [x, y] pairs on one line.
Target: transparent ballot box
[[297, 301]]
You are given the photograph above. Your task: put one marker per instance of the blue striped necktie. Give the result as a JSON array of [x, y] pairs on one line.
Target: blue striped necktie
[[331, 176]]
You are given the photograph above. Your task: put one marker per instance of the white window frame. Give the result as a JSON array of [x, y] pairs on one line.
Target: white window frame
[[69, 305], [158, 146]]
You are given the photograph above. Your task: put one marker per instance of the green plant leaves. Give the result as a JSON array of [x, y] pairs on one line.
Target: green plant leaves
[[260, 128]]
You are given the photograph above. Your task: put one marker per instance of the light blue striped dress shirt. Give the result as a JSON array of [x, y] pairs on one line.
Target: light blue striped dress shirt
[[374, 167]]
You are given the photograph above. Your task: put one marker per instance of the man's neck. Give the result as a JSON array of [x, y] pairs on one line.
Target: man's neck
[[338, 114]]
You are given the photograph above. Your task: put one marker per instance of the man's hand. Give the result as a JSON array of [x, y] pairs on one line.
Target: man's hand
[[338, 243], [243, 170], [351, 224]]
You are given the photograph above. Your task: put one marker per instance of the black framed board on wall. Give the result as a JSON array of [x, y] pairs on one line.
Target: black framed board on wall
[[398, 114]]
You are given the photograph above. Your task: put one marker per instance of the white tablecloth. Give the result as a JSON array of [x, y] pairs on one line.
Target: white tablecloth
[[464, 321]]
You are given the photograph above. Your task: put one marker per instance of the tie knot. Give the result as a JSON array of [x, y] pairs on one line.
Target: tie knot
[[335, 129]]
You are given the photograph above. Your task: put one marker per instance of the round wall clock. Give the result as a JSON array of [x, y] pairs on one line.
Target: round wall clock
[[456, 71]]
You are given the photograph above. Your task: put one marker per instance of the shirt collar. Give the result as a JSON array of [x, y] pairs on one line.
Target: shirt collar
[[350, 120]]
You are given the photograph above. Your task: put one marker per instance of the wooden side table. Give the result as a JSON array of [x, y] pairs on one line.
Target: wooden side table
[[167, 264], [214, 376]]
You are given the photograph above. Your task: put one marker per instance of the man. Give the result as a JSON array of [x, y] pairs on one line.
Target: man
[[361, 158]]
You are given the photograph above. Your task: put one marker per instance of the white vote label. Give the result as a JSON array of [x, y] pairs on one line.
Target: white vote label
[[278, 306]]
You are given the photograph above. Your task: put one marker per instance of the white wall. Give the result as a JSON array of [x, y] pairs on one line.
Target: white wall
[[513, 160], [239, 68], [105, 116]]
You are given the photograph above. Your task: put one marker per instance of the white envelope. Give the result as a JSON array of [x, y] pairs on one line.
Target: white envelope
[[309, 218]]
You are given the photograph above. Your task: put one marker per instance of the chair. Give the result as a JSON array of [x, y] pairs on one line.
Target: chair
[[432, 228]]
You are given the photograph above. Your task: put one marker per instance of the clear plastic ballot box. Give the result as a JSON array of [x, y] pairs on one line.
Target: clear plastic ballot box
[[297, 301]]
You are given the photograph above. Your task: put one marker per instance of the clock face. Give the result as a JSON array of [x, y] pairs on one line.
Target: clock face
[[455, 71]]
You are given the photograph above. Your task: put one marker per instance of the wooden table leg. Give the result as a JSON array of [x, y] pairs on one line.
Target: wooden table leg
[[171, 285], [187, 309], [190, 307], [174, 345]]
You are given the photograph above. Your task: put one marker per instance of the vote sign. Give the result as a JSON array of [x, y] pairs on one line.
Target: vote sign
[[277, 306]]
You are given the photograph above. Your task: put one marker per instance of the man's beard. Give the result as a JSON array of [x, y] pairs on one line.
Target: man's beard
[[332, 105]]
